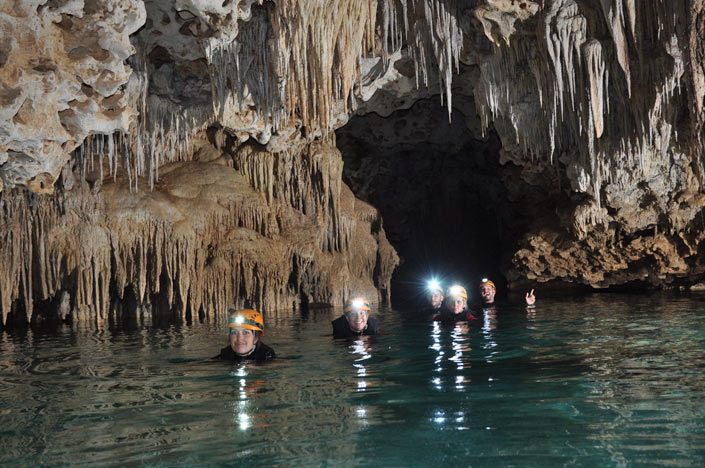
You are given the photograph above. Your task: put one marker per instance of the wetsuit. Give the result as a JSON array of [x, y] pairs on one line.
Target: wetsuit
[[261, 353], [479, 307], [447, 317], [341, 328], [431, 313]]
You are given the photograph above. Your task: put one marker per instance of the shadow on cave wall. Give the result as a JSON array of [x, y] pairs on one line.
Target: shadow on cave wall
[[439, 189]]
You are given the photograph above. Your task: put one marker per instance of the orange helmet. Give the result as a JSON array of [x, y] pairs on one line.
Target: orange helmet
[[356, 304], [245, 318], [488, 282], [457, 291]]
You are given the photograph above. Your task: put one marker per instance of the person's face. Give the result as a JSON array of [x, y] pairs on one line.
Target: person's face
[[487, 293], [242, 340], [456, 304], [357, 320], [436, 299]]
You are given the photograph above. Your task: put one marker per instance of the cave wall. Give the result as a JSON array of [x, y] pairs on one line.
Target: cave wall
[[235, 226], [597, 98], [597, 105], [62, 72]]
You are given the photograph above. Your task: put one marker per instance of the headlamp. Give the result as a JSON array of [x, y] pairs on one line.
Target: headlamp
[[486, 281], [434, 285], [457, 291], [356, 304], [245, 318]]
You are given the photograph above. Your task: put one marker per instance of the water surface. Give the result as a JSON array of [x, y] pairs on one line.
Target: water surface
[[603, 380]]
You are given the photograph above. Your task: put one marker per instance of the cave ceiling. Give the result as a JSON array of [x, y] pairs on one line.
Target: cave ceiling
[[597, 105]]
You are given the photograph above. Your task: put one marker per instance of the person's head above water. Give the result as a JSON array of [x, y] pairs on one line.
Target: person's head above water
[[246, 327], [487, 291], [456, 299], [357, 310], [435, 294]]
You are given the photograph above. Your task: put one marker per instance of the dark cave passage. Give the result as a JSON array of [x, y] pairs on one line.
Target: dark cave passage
[[440, 190]]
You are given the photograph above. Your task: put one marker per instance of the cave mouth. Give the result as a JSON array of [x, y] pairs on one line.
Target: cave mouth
[[440, 190]]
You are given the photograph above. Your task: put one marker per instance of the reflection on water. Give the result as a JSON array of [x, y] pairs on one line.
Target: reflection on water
[[452, 346], [247, 390], [361, 347], [361, 351], [597, 381]]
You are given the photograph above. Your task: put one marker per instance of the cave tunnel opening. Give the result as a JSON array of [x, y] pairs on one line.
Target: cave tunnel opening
[[441, 193]]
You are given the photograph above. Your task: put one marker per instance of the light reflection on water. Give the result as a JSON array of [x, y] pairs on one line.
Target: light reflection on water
[[362, 348], [598, 381]]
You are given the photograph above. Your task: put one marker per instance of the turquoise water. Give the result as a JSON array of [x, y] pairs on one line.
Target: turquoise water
[[604, 380]]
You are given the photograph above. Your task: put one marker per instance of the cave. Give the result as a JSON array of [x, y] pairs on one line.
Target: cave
[[440, 190], [245, 155], [218, 219]]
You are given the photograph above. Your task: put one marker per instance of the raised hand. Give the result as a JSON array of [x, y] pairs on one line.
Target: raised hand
[[530, 298]]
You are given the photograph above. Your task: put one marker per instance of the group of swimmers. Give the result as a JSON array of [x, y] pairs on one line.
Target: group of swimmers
[[453, 305], [246, 326]]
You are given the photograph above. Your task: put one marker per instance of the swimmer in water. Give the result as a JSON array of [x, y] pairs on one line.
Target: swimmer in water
[[246, 328], [356, 320]]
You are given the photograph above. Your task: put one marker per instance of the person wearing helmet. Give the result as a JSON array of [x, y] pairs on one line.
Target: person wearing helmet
[[435, 296], [356, 320], [456, 306], [488, 290], [246, 328], [433, 304]]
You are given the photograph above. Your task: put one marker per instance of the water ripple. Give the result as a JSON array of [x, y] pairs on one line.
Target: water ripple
[[586, 382]]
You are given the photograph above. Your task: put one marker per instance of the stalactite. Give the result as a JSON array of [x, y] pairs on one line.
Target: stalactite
[[614, 14], [39, 262], [161, 134], [209, 237], [308, 73], [598, 83], [576, 81], [696, 67], [309, 181]]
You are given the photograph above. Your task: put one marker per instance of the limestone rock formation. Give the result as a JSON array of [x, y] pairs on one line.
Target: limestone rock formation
[[188, 146], [220, 230], [603, 90], [62, 69]]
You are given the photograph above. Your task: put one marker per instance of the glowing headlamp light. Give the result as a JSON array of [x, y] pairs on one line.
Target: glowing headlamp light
[[239, 320], [434, 285], [356, 305], [457, 291], [487, 282]]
